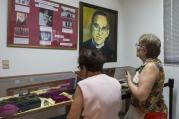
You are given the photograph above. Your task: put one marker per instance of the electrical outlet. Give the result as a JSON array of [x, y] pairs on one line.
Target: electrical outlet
[[5, 64]]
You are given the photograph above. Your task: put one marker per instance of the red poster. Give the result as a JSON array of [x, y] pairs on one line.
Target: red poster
[[42, 24]]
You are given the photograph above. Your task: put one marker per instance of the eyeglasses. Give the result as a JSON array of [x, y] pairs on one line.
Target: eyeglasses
[[97, 28], [139, 45]]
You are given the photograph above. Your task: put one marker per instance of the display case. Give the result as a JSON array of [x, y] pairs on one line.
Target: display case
[[33, 94], [116, 72]]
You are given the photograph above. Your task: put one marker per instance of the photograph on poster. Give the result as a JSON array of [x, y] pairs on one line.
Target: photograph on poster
[[98, 30], [68, 24], [21, 32], [45, 36], [23, 2], [68, 15], [45, 17], [21, 18]]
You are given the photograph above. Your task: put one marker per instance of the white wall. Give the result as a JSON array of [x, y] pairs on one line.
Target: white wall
[[146, 16], [34, 61], [25, 61], [135, 18], [140, 16]]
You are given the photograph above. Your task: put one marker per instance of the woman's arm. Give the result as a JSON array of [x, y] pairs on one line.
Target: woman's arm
[[146, 81], [77, 105]]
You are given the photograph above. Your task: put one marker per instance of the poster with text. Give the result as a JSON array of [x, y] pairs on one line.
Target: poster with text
[[42, 24]]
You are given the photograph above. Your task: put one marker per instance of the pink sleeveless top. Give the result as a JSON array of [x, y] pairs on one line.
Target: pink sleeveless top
[[101, 96]]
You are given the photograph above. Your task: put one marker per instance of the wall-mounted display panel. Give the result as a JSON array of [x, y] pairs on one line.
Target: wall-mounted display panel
[[42, 24]]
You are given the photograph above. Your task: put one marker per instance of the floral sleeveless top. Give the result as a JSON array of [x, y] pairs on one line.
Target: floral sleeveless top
[[155, 101]]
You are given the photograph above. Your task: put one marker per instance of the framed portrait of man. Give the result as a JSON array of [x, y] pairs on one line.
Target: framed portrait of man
[[98, 30]]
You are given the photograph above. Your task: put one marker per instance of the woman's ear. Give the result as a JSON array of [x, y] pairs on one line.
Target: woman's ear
[[145, 51], [84, 68], [85, 71]]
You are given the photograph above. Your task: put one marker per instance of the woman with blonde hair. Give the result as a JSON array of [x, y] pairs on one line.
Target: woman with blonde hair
[[147, 85]]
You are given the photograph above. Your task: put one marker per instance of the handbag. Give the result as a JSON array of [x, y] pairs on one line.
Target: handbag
[[155, 115]]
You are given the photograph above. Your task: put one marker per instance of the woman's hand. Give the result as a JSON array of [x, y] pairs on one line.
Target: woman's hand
[[128, 75]]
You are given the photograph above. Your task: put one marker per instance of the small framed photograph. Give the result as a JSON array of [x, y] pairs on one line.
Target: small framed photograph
[[98, 30]]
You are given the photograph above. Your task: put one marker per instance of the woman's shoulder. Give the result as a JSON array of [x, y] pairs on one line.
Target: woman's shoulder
[[150, 68], [150, 65]]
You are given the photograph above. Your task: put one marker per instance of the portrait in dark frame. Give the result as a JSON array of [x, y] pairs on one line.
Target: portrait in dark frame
[[98, 29]]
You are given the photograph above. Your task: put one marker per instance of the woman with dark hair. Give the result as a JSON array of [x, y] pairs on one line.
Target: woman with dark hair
[[98, 96], [147, 85]]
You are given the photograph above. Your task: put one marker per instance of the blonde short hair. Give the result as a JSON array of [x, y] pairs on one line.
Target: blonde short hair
[[152, 44]]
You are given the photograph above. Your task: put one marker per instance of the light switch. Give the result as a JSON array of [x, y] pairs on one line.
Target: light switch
[[5, 64]]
